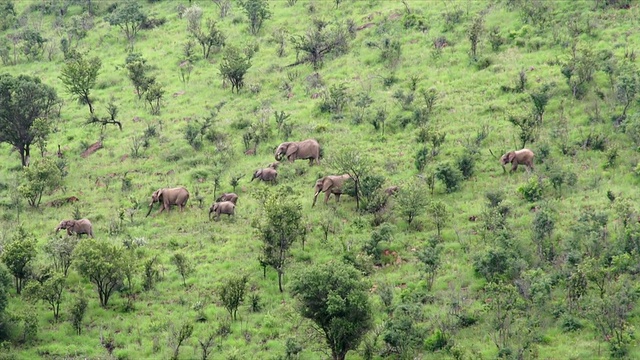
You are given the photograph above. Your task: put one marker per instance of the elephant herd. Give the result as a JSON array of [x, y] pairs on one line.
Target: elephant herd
[[303, 150]]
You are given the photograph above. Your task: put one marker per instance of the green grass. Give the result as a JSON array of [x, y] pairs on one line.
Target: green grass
[[468, 99]]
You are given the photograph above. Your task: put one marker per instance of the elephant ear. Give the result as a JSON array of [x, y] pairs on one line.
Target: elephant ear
[[326, 185], [291, 149]]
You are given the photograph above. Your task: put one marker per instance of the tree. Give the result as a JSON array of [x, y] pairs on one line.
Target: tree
[[317, 42], [23, 100], [79, 77], [129, 17], [17, 256], [138, 73], [232, 294], [102, 264], [336, 300], [353, 163], [234, 66], [50, 291], [257, 11], [5, 285], [212, 38], [412, 201], [627, 87], [78, 309], [61, 250], [281, 226], [43, 176], [439, 215], [475, 32], [154, 96], [431, 261], [183, 265]]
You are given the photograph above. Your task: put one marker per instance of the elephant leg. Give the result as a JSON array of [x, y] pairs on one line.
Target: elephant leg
[[337, 197], [514, 167], [326, 197]]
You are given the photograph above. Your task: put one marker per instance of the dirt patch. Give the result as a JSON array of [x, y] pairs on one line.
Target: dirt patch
[[176, 94], [93, 148], [365, 26]]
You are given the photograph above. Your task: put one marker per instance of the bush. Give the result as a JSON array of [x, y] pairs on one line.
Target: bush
[[449, 175], [532, 190], [466, 164], [437, 341]]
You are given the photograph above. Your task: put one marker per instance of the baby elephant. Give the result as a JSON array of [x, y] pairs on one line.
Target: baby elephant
[[266, 174], [228, 197], [225, 207], [524, 157], [82, 226]]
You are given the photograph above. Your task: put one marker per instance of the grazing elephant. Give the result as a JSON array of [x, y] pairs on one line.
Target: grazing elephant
[[524, 157], [266, 174], [391, 190], [169, 196], [228, 197], [82, 226], [331, 184], [307, 149], [224, 207]]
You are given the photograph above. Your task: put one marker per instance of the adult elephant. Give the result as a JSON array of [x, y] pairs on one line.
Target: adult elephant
[[228, 197], [224, 207], [524, 157], [331, 184], [79, 227], [169, 196], [307, 149], [266, 174]]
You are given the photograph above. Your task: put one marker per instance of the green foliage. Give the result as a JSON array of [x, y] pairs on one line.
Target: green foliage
[[43, 176], [532, 190], [412, 200], [183, 264], [102, 264], [437, 341], [449, 175], [257, 12], [431, 261], [50, 292], [475, 32], [234, 66], [421, 158], [401, 333], [232, 294], [18, 254], [281, 226], [138, 72], [335, 299], [211, 38], [495, 38], [154, 96], [383, 234], [32, 44], [466, 164], [335, 99], [5, 288], [319, 41], [79, 77], [24, 99], [439, 215], [129, 17]]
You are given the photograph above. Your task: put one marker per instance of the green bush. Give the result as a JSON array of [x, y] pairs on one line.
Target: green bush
[[449, 175], [466, 164], [532, 190], [437, 341]]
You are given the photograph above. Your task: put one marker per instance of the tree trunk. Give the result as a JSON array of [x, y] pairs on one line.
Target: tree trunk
[[280, 281]]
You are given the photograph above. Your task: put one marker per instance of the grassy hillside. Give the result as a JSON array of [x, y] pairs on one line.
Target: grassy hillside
[[565, 291]]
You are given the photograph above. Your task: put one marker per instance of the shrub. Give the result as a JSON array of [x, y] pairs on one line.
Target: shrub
[[449, 175], [422, 156], [532, 190], [466, 165], [437, 341]]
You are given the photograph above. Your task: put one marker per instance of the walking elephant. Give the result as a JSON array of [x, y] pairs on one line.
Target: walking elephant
[[79, 227], [331, 184], [307, 149], [169, 196], [228, 197], [266, 174], [524, 157], [224, 207]]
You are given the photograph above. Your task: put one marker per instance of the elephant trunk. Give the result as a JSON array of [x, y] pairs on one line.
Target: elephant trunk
[[150, 207], [315, 197], [504, 169], [210, 211], [278, 156]]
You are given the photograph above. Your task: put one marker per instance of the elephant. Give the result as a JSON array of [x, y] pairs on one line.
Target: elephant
[[524, 157], [274, 165], [228, 197], [224, 207], [391, 190], [169, 196], [307, 149], [82, 226], [266, 174], [331, 184]]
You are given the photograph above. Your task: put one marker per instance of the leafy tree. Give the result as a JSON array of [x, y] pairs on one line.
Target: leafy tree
[[336, 300], [129, 17], [232, 294], [23, 100], [102, 264], [257, 12], [528, 125], [183, 265], [17, 256], [43, 176], [32, 44], [5, 285], [138, 73], [475, 32], [61, 250], [506, 307], [543, 225], [79, 77], [412, 201], [234, 66], [281, 226], [431, 261], [627, 87], [353, 163], [154, 96], [211, 38], [179, 336], [540, 100], [50, 291], [318, 42], [77, 312], [439, 215], [449, 175]]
